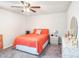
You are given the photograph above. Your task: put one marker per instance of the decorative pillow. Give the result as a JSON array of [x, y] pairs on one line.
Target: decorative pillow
[[38, 31]]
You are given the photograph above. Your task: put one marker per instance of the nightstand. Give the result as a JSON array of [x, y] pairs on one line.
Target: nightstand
[[53, 39]]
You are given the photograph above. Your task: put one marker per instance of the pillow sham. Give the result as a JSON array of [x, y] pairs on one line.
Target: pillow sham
[[38, 31]]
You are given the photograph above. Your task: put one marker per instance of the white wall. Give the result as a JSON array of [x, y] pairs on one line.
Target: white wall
[[51, 21], [11, 25]]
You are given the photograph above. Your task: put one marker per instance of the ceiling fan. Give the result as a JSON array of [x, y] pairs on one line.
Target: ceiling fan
[[27, 7]]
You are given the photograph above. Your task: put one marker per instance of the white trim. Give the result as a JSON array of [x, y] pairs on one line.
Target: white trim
[[7, 46]]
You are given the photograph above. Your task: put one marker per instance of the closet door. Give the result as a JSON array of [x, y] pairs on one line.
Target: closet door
[[1, 41]]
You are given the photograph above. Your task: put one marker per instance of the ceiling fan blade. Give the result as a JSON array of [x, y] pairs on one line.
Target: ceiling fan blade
[[35, 6], [25, 3], [22, 2], [17, 6], [32, 10]]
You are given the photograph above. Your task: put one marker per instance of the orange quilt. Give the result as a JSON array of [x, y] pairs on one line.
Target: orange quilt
[[32, 40]]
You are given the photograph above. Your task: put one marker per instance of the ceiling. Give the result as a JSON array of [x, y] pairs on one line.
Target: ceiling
[[47, 7]]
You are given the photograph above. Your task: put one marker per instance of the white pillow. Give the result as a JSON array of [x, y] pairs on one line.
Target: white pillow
[[38, 31]]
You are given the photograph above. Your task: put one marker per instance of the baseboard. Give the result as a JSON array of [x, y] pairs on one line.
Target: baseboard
[[4, 47]]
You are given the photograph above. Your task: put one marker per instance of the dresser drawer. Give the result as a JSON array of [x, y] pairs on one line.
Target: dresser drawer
[[54, 40]]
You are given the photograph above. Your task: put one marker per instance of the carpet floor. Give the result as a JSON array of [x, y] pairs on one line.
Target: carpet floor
[[51, 51]]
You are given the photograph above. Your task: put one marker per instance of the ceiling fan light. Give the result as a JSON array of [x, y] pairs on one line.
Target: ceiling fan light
[[28, 10], [24, 9]]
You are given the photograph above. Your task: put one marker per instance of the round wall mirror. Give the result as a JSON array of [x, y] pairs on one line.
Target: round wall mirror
[[74, 26]]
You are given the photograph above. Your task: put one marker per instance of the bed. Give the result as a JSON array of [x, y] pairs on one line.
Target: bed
[[32, 43]]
